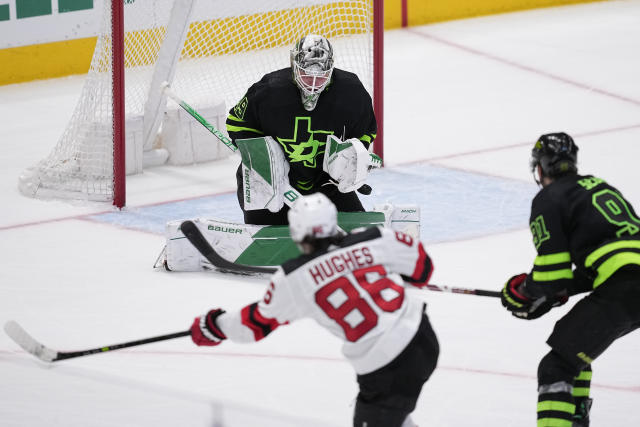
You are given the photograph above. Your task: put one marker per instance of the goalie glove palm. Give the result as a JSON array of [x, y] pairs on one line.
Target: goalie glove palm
[[204, 330], [346, 162]]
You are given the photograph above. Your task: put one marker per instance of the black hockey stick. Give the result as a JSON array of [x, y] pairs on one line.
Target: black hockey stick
[[46, 354], [479, 292], [191, 232]]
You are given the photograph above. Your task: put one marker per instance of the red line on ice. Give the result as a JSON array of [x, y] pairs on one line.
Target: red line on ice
[[524, 67]]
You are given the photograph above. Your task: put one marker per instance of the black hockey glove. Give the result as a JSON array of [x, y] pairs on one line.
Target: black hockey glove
[[204, 330], [519, 304]]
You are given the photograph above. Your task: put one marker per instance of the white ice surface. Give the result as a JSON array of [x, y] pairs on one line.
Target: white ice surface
[[464, 102]]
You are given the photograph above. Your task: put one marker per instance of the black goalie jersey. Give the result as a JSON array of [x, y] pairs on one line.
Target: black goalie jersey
[[584, 221], [273, 107]]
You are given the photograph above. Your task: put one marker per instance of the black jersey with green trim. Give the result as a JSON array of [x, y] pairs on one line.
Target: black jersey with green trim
[[580, 220], [273, 107]]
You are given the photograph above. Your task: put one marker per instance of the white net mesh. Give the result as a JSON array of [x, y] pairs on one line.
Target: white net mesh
[[209, 50]]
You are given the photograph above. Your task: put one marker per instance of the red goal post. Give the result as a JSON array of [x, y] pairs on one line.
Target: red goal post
[[210, 51]]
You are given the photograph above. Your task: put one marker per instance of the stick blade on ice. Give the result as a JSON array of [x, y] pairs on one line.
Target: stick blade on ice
[[28, 343]]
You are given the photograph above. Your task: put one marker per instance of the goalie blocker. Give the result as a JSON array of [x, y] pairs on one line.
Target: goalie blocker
[[265, 175], [267, 245]]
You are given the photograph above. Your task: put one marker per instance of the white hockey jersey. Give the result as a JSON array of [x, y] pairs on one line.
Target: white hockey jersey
[[355, 290]]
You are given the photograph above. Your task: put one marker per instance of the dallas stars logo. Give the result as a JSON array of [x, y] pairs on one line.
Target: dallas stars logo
[[241, 108], [310, 142]]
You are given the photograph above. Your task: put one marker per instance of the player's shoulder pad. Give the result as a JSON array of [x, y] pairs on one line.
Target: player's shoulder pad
[[557, 191], [293, 264], [276, 87], [346, 76], [542, 202], [359, 235], [346, 81], [352, 238], [556, 198], [276, 80]]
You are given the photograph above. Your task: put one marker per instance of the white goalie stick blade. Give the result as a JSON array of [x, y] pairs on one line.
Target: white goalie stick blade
[[193, 234], [28, 343]]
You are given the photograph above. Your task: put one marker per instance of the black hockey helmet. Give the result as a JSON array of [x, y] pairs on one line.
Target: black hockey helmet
[[556, 153]]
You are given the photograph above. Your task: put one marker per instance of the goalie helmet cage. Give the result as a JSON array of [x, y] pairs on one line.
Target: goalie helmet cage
[[210, 52]]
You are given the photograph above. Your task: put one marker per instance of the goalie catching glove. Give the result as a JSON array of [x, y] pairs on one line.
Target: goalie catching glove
[[515, 299], [347, 162], [204, 330]]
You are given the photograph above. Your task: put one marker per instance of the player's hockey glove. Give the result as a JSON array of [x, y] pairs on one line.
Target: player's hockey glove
[[204, 330], [519, 304]]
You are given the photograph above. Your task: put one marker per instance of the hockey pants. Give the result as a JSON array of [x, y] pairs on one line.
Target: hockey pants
[[583, 334], [388, 395]]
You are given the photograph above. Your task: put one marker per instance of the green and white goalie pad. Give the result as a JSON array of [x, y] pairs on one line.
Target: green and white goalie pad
[[267, 245], [265, 173]]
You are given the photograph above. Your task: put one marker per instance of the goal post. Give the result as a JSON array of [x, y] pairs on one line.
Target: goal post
[[210, 52], [117, 98]]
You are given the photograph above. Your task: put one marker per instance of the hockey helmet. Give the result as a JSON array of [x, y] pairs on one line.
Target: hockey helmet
[[313, 217], [312, 66], [556, 153]]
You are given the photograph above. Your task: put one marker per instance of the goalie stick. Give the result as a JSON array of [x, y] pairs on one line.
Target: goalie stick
[[193, 234], [291, 194], [46, 354]]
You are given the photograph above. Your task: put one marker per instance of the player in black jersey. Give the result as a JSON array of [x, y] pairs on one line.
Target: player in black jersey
[[577, 221], [299, 107]]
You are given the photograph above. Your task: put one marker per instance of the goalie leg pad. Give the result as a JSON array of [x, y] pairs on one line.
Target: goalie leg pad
[[257, 245], [231, 239], [265, 173], [403, 218]]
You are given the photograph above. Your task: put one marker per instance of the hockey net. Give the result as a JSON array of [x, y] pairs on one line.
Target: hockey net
[[210, 51]]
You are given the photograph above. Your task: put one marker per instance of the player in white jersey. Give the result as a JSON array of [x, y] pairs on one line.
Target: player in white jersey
[[353, 285]]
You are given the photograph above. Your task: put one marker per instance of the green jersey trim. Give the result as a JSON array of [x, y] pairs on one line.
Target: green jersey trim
[[581, 391], [558, 258], [304, 185], [234, 118], [604, 250], [556, 405], [549, 276], [584, 375], [231, 128], [554, 422], [610, 266]]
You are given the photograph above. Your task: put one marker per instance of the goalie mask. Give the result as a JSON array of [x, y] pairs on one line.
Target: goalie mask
[[556, 153], [312, 218], [312, 66]]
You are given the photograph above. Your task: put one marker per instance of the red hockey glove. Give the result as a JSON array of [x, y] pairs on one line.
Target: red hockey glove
[[204, 330]]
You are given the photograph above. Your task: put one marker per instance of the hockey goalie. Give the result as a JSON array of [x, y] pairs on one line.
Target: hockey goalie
[[265, 186], [286, 129]]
